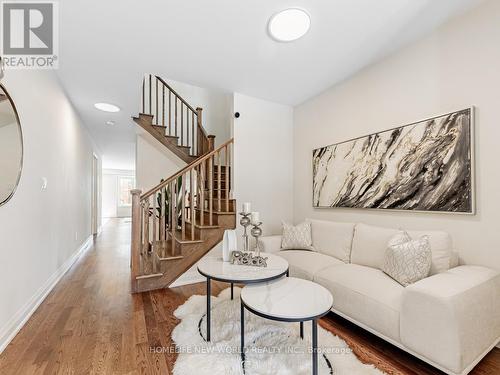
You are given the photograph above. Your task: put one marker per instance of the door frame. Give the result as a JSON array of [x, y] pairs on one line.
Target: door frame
[[95, 195]]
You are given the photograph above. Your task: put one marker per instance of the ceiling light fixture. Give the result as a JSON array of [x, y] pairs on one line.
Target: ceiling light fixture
[[110, 123], [106, 107], [289, 25]]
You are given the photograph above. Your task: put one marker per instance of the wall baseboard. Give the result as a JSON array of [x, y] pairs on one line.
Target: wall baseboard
[[17, 322]]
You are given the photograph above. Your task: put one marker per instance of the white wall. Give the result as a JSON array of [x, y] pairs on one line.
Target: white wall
[[455, 67], [110, 196], [10, 156], [216, 104], [154, 162], [41, 230], [262, 160], [263, 151]]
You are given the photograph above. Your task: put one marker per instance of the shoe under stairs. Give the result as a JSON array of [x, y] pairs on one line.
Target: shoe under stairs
[[181, 219]]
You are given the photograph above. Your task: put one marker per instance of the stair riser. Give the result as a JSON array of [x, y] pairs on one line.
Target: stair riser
[[215, 194], [201, 233], [227, 221], [206, 218], [219, 219], [222, 206]]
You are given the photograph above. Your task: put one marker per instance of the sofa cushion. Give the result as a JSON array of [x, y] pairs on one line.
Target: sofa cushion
[[441, 246], [304, 264], [297, 237], [370, 242], [332, 238], [406, 260], [369, 245], [366, 295]]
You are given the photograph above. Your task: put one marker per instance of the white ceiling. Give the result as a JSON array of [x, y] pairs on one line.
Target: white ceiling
[[107, 46]]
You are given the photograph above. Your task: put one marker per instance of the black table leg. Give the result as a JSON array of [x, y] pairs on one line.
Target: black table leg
[[232, 291], [242, 335], [287, 273], [209, 298], [301, 330], [315, 346]]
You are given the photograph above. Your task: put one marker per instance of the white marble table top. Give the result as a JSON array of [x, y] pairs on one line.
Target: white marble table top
[[215, 268], [288, 298]]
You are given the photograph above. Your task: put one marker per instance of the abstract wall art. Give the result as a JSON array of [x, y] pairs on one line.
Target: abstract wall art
[[424, 166]]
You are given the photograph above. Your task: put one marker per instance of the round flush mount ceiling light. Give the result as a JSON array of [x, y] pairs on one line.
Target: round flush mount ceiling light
[[106, 107], [289, 25]]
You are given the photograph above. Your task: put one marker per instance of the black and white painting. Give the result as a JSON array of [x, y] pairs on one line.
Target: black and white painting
[[425, 166]]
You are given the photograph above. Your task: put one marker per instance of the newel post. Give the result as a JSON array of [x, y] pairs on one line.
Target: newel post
[[211, 143], [198, 114], [135, 249], [200, 142]]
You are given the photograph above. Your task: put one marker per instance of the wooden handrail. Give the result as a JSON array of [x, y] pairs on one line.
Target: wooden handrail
[[175, 93], [194, 164], [187, 125]]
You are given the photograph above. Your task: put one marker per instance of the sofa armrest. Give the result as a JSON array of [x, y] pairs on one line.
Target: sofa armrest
[[270, 244], [452, 318]]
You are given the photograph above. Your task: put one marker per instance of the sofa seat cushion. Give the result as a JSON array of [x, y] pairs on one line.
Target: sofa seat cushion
[[366, 295], [304, 264]]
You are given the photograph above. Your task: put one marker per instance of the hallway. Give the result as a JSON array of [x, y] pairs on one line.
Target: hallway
[[90, 323]]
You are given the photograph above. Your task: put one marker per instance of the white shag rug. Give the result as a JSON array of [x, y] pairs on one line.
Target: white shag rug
[[272, 348]]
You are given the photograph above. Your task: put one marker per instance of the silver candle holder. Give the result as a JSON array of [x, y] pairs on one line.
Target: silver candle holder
[[245, 222], [256, 232]]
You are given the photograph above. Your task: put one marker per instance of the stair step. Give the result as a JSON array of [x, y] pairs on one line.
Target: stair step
[[221, 208], [150, 276], [164, 251], [205, 225], [218, 212], [215, 193], [145, 121], [187, 240], [148, 267]]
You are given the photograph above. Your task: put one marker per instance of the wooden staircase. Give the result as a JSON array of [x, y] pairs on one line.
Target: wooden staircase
[[178, 221], [172, 121]]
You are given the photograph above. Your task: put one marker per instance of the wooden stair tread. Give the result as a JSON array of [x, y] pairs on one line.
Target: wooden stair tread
[[164, 251], [150, 276], [187, 240]]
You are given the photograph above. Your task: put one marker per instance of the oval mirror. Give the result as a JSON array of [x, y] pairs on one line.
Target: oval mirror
[[11, 147]]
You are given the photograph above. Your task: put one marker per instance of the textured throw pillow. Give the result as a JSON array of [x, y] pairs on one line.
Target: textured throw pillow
[[297, 237], [408, 261]]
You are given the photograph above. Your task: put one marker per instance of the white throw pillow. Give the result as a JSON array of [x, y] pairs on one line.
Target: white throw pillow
[[408, 261], [441, 246], [297, 237], [332, 238]]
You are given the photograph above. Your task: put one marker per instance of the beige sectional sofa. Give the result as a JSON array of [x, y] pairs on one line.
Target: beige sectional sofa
[[450, 319]]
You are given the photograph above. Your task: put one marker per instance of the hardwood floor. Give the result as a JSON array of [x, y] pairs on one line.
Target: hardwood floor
[[91, 324]]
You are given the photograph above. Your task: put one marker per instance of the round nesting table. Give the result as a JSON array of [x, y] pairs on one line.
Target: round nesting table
[[287, 300], [213, 268]]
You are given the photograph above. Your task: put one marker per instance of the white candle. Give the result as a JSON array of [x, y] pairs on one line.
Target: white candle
[[255, 218], [247, 207]]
